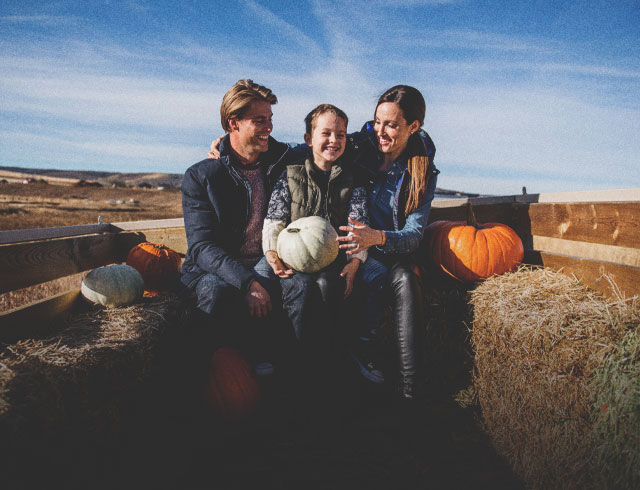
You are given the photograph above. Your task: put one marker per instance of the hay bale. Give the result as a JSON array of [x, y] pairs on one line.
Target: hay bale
[[84, 379], [616, 425], [542, 344]]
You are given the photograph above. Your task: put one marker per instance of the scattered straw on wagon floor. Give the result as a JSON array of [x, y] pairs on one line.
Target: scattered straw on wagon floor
[[542, 341], [84, 373]]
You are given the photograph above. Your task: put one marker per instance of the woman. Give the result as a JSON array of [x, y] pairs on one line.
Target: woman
[[395, 161]]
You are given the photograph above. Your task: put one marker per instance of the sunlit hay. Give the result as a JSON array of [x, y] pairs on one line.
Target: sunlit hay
[[86, 377], [539, 338], [616, 424]]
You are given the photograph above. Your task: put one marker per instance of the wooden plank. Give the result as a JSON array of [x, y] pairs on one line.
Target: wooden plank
[[26, 264], [592, 272], [39, 318], [476, 201], [607, 195], [585, 250], [507, 213], [606, 223], [147, 224], [174, 238], [34, 234]]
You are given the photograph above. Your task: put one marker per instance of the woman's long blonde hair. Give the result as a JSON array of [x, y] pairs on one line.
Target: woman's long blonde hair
[[418, 168], [413, 107]]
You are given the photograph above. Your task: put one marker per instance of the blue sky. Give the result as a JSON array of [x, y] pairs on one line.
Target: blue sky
[[544, 94]]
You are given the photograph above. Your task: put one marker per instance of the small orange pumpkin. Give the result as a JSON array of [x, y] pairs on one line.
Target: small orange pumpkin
[[471, 251], [231, 391], [158, 265]]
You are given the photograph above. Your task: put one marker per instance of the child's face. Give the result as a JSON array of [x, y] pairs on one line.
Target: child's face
[[327, 139]]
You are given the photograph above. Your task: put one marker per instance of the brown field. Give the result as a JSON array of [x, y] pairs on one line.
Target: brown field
[[37, 205]]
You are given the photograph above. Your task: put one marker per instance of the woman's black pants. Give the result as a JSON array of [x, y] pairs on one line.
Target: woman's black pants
[[405, 287]]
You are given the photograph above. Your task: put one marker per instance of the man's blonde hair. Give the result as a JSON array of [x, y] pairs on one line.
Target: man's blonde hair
[[238, 98]]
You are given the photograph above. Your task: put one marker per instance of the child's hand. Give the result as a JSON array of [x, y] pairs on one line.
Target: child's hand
[[280, 269], [214, 151], [349, 273]]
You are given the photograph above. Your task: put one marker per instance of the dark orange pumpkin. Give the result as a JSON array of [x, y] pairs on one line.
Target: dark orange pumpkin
[[471, 251], [158, 265], [231, 391]]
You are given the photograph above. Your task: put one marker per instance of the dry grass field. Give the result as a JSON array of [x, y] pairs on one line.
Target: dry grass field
[[39, 205]]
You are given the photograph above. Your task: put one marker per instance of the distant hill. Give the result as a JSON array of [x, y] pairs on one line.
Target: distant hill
[[105, 178], [68, 177]]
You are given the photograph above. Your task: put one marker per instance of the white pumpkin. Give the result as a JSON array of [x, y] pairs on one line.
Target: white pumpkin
[[308, 244], [113, 285]]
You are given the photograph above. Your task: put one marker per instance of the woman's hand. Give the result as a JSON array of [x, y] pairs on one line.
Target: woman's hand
[[214, 151], [362, 237], [349, 274], [280, 269]]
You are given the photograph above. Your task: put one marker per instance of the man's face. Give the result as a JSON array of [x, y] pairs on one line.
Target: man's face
[[252, 131]]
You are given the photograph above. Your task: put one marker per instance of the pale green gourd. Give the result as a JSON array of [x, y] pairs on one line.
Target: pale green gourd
[[113, 285], [308, 244]]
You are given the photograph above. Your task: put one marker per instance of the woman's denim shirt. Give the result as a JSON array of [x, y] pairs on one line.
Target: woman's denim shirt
[[384, 191], [383, 209]]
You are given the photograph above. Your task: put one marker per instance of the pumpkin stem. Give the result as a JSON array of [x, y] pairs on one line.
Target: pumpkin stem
[[471, 217], [293, 230]]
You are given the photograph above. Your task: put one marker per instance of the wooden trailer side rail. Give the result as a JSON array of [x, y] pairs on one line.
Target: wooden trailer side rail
[[588, 234], [45, 254]]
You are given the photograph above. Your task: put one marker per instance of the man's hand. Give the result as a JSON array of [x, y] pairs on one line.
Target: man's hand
[[349, 273], [258, 300], [279, 268], [214, 151]]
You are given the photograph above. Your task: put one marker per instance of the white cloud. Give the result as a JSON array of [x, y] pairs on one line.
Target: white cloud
[[478, 40], [268, 18], [91, 98], [544, 136], [116, 149]]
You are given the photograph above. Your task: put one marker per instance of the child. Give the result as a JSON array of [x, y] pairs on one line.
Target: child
[[321, 185]]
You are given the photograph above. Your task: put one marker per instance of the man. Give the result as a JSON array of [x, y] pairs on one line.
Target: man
[[224, 202]]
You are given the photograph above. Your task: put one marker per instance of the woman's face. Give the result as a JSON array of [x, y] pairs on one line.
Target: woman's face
[[392, 129]]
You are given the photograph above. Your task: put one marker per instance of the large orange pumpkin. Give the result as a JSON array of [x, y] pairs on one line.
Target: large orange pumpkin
[[158, 265], [231, 391], [471, 251]]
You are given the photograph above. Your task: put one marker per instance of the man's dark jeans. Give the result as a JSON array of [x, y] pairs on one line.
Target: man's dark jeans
[[222, 316]]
